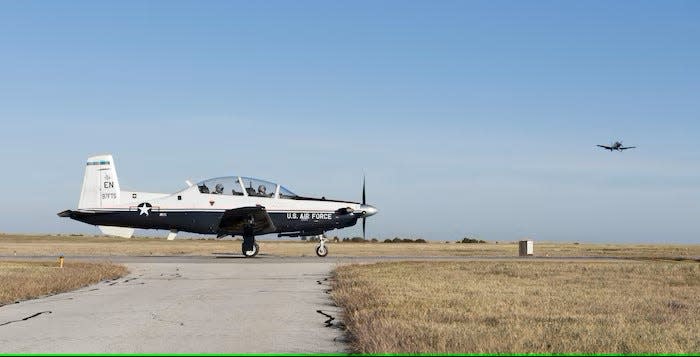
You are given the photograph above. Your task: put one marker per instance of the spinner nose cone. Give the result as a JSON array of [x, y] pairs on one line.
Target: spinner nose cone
[[369, 210]]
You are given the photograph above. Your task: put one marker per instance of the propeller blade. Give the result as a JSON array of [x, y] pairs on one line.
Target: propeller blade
[[364, 220], [364, 201]]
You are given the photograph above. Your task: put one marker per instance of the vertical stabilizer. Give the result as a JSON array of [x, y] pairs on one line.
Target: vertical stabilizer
[[100, 183]]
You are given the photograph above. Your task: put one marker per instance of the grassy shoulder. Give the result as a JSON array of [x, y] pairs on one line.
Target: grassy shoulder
[[521, 307], [22, 280], [47, 245]]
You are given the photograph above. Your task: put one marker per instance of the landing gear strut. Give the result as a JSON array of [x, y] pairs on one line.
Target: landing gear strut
[[249, 247], [321, 249]]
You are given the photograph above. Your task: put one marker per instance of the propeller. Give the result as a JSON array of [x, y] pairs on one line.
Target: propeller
[[364, 202], [367, 210]]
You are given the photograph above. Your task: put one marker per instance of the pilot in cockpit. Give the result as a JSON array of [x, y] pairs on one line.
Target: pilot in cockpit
[[218, 189], [261, 190]]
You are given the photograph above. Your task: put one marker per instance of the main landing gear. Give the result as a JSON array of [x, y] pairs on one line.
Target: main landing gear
[[251, 252], [249, 247]]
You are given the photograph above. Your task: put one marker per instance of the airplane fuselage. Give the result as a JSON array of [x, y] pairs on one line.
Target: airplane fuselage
[[192, 211], [221, 206]]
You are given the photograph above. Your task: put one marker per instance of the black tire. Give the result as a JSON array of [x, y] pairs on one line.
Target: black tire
[[248, 254], [321, 252]]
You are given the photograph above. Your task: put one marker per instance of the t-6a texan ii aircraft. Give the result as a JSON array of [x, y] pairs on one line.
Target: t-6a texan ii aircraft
[[616, 146], [231, 205]]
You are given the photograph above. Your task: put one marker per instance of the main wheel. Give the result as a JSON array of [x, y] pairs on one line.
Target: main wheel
[[321, 250], [251, 253]]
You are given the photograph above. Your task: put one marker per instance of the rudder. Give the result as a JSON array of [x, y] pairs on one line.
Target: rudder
[[100, 183]]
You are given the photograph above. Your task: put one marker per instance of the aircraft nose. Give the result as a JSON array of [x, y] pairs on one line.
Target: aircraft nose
[[369, 210]]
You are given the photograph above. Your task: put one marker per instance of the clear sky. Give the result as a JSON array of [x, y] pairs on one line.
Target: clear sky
[[471, 118]]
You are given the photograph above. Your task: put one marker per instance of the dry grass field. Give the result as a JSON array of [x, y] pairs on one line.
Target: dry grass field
[[25, 280], [521, 307], [46, 245]]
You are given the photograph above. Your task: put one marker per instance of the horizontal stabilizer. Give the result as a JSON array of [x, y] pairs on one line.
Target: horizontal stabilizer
[[123, 232], [66, 213]]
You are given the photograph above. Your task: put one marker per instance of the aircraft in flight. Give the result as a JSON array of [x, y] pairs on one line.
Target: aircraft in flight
[[232, 205], [616, 146]]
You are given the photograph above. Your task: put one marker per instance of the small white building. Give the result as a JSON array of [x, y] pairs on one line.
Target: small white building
[[526, 248]]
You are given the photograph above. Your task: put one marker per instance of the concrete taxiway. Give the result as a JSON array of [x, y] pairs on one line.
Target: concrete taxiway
[[223, 303], [184, 305]]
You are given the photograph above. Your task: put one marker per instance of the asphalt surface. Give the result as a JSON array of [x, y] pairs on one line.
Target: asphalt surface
[[184, 305]]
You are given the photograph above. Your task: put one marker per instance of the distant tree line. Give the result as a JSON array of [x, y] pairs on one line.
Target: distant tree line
[[359, 240], [394, 240], [405, 240], [372, 240], [471, 240]]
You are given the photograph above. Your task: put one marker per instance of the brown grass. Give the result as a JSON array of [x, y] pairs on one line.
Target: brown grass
[[21, 280], [521, 307], [44, 245]]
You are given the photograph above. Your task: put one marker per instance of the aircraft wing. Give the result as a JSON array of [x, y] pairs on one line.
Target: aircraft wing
[[629, 147], [234, 220], [605, 147]]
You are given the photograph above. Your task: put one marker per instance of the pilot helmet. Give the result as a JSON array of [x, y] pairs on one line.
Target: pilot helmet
[[219, 188], [262, 188]]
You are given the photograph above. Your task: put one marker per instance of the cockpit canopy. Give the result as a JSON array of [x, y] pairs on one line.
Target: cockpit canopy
[[243, 186]]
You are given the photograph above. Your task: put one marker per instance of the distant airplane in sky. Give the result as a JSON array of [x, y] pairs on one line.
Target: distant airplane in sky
[[617, 146]]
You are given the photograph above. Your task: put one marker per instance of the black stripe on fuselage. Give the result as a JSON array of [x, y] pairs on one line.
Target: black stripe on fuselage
[[207, 222]]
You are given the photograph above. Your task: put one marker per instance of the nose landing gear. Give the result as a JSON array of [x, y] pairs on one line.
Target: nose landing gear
[[321, 249]]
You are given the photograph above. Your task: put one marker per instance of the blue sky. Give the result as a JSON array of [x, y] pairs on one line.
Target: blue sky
[[468, 117]]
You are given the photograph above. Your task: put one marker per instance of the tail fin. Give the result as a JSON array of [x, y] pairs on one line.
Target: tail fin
[[100, 183]]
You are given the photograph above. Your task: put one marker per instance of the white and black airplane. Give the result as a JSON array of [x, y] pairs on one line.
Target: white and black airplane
[[616, 146], [223, 206]]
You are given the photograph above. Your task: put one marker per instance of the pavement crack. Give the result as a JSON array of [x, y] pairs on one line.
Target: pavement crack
[[329, 322], [155, 317], [170, 276], [26, 318], [111, 282]]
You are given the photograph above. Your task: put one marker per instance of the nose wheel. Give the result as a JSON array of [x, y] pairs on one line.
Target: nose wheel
[[321, 249]]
